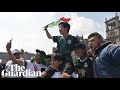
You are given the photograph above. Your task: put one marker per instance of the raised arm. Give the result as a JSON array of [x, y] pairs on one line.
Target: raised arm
[[47, 33], [22, 54], [11, 56]]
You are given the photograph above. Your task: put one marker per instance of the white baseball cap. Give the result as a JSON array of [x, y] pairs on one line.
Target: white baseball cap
[[15, 51]]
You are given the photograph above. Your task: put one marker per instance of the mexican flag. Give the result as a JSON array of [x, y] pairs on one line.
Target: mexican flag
[[55, 23]]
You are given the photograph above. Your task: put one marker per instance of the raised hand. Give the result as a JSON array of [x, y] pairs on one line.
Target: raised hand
[[65, 75], [8, 46], [45, 28], [22, 52]]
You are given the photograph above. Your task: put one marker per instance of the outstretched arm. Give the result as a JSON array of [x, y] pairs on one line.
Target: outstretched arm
[[47, 33], [11, 56]]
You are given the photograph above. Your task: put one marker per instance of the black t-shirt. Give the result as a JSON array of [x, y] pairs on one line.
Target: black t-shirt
[[87, 65]]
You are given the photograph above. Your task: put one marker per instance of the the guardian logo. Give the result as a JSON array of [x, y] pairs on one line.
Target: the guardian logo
[[19, 71]]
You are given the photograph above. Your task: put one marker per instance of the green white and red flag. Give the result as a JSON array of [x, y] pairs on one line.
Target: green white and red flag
[[55, 23]]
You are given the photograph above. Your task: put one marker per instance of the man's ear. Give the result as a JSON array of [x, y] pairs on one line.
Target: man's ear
[[100, 41]]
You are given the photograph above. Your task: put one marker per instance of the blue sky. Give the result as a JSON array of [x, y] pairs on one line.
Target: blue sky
[[26, 28]]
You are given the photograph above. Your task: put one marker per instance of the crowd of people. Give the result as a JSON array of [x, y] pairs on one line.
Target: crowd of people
[[101, 60]]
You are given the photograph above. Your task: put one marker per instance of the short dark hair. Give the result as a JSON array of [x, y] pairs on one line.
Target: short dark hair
[[65, 25], [48, 56], [80, 45], [58, 57], [95, 34]]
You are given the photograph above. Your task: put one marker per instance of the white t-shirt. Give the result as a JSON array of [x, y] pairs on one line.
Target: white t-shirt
[[11, 67], [31, 68], [56, 75]]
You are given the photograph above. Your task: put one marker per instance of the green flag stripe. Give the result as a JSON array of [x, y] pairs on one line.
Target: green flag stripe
[[54, 23]]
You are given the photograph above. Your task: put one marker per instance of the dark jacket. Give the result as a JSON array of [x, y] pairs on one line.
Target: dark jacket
[[107, 61]]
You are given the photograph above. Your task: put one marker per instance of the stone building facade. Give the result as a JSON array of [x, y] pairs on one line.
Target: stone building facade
[[113, 29]]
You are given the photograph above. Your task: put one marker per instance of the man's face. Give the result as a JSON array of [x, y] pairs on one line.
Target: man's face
[[37, 57], [17, 55], [55, 63], [94, 42], [48, 60], [79, 52], [62, 30]]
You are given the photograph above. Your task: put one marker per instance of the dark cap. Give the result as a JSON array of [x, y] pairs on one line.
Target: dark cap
[[80, 45], [41, 52]]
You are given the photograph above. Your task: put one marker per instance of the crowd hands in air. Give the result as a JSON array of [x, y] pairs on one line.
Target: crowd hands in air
[[99, 60]]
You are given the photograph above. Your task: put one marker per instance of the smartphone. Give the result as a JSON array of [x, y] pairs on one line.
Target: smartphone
[[11, 40], [42, 69]]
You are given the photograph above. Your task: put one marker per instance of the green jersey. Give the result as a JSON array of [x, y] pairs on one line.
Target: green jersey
[[65, 45]]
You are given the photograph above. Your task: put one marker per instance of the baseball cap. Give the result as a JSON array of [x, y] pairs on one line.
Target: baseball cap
[[15, 51], [41, 52]]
